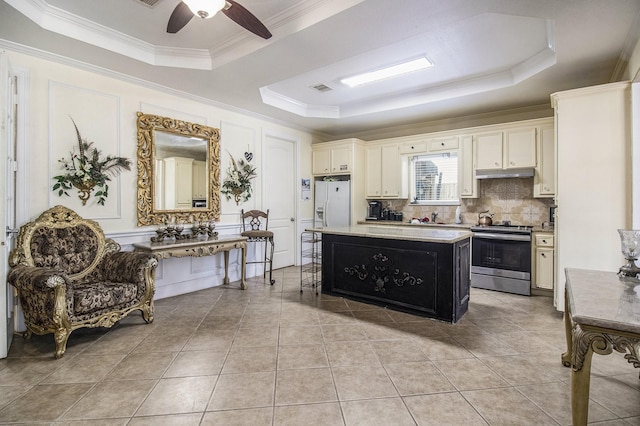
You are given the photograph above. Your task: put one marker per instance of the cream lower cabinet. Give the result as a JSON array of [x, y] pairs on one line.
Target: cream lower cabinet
[[382, 174], [544, 252]]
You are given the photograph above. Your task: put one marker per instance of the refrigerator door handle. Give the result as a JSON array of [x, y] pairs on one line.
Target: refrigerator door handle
[[326, 211]]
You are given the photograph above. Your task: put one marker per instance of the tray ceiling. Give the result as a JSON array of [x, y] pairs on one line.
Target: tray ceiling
[[489, 55]]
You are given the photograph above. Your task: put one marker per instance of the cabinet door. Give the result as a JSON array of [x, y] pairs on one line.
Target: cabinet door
[[321, 162], [390, 171], [184, 177], [488, 150], [199, 180], [341, 160], [545, 180], [415, 147], [468, 182], [520, 148], [544, 268], [373, 181], [443, 144]]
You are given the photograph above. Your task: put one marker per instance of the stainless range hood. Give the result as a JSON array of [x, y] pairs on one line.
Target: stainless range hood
[[510, 173]]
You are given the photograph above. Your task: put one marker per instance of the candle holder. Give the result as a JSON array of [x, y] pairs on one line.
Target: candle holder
[[630, 245]]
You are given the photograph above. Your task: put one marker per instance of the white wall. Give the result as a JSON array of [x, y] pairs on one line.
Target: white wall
[[101, 100]]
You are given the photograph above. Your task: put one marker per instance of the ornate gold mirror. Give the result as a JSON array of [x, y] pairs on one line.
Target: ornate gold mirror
[[178, 171]]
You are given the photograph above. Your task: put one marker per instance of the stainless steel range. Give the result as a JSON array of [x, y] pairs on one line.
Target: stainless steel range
[[501, 258]]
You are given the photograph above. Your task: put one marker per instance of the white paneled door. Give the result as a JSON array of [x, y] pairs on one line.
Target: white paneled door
[[279, 195], [8, 105]]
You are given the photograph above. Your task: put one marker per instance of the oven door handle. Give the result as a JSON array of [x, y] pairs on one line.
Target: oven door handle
[[507, 237]]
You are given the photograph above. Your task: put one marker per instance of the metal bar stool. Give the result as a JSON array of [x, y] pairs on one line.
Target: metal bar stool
[[251, 228]]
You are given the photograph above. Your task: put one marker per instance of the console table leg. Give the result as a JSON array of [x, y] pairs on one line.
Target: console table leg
[[243, 267], [226, 267]]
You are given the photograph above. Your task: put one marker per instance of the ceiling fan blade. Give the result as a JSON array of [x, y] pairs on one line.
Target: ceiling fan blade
[[179, 18], [245, 19]]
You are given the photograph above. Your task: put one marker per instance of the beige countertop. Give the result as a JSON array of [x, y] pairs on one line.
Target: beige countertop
[[407, 233], [460, 226]]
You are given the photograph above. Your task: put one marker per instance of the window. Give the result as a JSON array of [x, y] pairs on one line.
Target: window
[[434, 178]]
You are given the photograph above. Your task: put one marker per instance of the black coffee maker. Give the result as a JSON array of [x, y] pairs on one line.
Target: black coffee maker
[[375, 210]]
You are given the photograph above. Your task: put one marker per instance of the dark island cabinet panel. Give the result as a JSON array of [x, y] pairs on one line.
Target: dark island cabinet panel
[[424, 278]]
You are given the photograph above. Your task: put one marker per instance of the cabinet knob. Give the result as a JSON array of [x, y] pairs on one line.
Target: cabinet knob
[[543, 254], [441, 143], [512, 163], [544, 241], [496, 163]]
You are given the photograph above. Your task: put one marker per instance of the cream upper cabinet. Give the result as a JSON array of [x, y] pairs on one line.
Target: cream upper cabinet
[[443, 144], [468, 182], [488, 150], [544, 182], [508, 149], [383, 167], [544, 261], [199, 180], [519, 148], [334, 160], [321, 161], [341, 160], [413, 147]]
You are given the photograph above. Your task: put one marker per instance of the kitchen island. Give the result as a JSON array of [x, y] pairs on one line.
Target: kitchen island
[[419, 271]]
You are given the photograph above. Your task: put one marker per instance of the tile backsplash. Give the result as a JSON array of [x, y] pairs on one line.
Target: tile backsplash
[[508, 199]]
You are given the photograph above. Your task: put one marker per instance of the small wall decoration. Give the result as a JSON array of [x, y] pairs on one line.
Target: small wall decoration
[[237, 184], [87, 171]]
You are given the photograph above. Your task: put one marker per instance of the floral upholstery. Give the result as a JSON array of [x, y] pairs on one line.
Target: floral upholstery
[[68, 276]]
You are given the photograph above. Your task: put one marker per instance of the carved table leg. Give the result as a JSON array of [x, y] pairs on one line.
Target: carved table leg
[[243, 266], [226, 267], [580, 382], [566, 357]]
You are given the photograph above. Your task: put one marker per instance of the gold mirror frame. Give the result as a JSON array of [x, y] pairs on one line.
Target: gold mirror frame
[[147, 126]]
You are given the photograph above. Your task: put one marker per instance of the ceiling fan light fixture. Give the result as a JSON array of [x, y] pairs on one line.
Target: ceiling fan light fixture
[[388, 72], [205, 8]]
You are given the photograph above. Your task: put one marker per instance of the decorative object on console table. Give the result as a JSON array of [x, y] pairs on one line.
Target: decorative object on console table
[[171, 231], [237, 184], [630, 244], [86, 170]]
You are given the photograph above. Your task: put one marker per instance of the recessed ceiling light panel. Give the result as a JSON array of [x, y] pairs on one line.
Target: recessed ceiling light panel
[[388, 72]]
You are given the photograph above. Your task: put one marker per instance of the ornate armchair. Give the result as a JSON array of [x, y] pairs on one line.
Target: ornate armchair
[[69, 276]]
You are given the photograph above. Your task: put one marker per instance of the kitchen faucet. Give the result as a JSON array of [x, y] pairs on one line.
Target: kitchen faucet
[[433, 216]]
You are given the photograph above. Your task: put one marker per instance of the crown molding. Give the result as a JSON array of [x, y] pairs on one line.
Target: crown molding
[[62, 22], [53, 57]]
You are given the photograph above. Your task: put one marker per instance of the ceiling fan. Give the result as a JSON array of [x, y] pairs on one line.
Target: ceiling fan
[[187, 9]]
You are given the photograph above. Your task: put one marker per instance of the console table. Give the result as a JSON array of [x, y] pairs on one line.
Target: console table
[[601, 314], [198, 247]]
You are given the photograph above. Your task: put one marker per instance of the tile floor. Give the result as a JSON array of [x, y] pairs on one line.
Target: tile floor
[[272, 356]]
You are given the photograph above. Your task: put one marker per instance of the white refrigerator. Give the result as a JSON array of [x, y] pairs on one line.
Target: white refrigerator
[[332, 204]]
